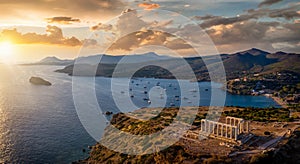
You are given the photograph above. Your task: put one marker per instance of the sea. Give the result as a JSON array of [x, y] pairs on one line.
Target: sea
[[39, 124]]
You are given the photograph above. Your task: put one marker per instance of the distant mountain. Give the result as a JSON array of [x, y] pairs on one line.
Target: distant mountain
[[52, 61], [103, 59], [254, 52], [246, 62], [108, 59]]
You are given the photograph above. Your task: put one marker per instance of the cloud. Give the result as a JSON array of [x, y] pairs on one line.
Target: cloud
[[53, 36], [23, 10], [286, 13], [243, 31], [101, 26], [157, 24], [218, 20], [149, 6], [247, 32], [129, 22], [89, 42], [271, 36], [62, 20], [149, 38], [268, 2], [206, 17]]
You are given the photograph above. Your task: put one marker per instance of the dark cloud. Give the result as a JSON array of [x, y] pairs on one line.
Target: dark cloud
[[206, 17], [286, 13], [218, 20], [268, 2], [77, 8], [54, 36], [101, 26], [63, 20], [272, 36], [247, 32]]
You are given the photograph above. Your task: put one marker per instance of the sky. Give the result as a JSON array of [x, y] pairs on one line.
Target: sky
[[33, 29]]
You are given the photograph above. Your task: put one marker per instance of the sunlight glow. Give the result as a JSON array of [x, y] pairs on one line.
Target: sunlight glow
[[6, 51]]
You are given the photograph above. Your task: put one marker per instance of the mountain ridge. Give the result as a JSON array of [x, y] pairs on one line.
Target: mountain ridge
[[250, 61]]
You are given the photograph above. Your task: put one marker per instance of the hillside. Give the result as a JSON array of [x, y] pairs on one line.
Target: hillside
[[236, 65], [52, 61], [210, 150]]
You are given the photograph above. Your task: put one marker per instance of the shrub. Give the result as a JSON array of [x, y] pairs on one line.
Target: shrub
[[260, 159]]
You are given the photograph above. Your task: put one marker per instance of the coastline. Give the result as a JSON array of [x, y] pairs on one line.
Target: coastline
[[279, 101]]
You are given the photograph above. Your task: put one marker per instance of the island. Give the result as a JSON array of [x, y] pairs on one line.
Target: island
[[39, 81]]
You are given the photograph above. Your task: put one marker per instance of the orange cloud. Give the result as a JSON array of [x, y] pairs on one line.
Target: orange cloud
[[54, 36], [62, 20], [149, 6]]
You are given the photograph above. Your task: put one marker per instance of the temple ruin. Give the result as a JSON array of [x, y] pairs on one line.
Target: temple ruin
[[229, 130]]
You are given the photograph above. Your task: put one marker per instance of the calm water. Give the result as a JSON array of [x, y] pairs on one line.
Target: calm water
[[39, 124]]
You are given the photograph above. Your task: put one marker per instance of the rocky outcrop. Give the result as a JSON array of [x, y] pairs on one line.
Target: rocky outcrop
[[39, 81]]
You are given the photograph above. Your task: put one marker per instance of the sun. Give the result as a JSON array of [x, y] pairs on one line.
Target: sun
[[6, 51]]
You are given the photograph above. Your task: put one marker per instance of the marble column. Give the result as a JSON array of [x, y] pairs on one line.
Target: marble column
[[248, 127], [205, 126], [226, 132], [236, 134], [222, 129]]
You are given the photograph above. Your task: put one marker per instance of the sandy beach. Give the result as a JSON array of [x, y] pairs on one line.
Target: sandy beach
[[280, 101]]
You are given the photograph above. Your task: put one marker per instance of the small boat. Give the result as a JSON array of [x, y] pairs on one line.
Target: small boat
[[108, 113], [185, 98], [193, 90], [132, 96], [145, 92], [206, 89], [145, 99], [149, 102], [172, 104]]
